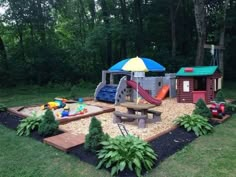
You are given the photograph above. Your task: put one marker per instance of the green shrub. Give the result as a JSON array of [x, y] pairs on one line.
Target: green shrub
[[29, 124], [73, 92], [49, 125], [95, 136], [202, 109], [220, 96], [3, 108], [126, 152], [67, 85], [196, 123], [230, 107]]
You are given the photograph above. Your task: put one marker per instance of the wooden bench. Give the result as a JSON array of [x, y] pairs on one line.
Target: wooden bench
[[156, 116], [118, 117]]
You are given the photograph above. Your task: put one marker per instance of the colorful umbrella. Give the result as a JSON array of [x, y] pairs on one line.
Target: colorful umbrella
[[137, 64]]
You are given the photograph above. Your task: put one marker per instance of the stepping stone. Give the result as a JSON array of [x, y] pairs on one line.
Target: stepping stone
[[65, 141]]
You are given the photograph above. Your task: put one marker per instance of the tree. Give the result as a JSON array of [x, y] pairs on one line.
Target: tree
[[95, 136], [139, 26], [124, 28], [173, 13], [200, 14], [3, 55], [202, 109], [49, 125], [222, 38]]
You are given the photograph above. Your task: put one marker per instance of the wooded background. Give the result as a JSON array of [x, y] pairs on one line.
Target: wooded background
[[56, 41]]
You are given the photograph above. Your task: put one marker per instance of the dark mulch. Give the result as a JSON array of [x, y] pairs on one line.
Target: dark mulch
[[9, 120], [12, 121], [164, 146]]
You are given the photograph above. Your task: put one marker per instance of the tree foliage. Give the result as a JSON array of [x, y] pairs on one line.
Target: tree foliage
[[202, 109], [48, 126], [220, 96], [95, 136], [45, 41]]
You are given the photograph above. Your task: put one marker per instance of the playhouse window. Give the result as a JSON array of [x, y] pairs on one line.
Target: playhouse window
[[199, 83]]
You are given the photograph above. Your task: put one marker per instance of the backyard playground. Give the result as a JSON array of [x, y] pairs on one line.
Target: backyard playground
[[151, 118], [182, 158], [103, 111]]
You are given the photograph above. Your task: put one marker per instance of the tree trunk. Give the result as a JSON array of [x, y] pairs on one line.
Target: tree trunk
[[222, 39], [124, 28], [41, 23], [173, 29], [173, 13], [108, 32], [139, 24], [91, 6], [3, 55], [200, 14], [21, 42]]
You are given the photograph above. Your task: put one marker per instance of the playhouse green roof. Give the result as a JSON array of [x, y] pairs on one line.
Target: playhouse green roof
[[197, 71]]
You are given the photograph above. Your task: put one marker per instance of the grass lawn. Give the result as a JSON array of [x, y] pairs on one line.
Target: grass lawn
[[23, 96], [23, 156], [212, 155]]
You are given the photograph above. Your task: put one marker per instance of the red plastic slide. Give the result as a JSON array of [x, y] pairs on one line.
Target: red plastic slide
[[143, 93], [162, 93]]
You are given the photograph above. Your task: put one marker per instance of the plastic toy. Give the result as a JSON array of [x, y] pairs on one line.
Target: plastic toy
[[198, 82], [81, 107], [108, 90], [57, 103], [65, 112], [217, 109]]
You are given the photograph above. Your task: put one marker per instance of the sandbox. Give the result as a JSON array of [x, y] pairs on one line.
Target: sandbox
[[79, 124], [92, 110], [170, 111]]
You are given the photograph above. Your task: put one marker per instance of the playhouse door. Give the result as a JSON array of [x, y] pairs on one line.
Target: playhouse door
[[199, 94], [186, 86]]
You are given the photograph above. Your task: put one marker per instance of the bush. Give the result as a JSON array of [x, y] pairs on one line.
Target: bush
[[230, 107], [95, 136], [202, 109], [73, 92], [196, 123], [49, 125], [220, 97], [29, 124], [3, 108], [126, 151]]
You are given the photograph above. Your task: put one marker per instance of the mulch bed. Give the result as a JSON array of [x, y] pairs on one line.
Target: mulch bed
[[165, 145], [12, 121]]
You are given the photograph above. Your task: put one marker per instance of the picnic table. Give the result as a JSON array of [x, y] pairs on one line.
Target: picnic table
[[133, 112]]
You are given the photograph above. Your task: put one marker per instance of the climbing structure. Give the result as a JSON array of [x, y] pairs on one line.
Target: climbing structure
[[107, 93], [111, 92]]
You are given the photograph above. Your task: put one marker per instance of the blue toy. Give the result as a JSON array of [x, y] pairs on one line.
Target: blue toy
[[65, 112]]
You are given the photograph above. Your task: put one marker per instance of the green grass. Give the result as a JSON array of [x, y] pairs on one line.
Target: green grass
[[23, 156], [212, 155], [23, 96], [229, 90]]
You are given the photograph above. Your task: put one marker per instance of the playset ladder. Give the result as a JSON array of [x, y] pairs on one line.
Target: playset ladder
[[122, 128]]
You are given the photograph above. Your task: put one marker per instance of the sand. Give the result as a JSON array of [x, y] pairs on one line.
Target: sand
[[170, 111], [73, 109]]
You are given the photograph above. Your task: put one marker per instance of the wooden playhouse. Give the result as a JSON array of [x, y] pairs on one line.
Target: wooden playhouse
[[194, 83]]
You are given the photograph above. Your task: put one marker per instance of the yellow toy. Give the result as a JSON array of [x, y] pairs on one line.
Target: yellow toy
[[58, 103]]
